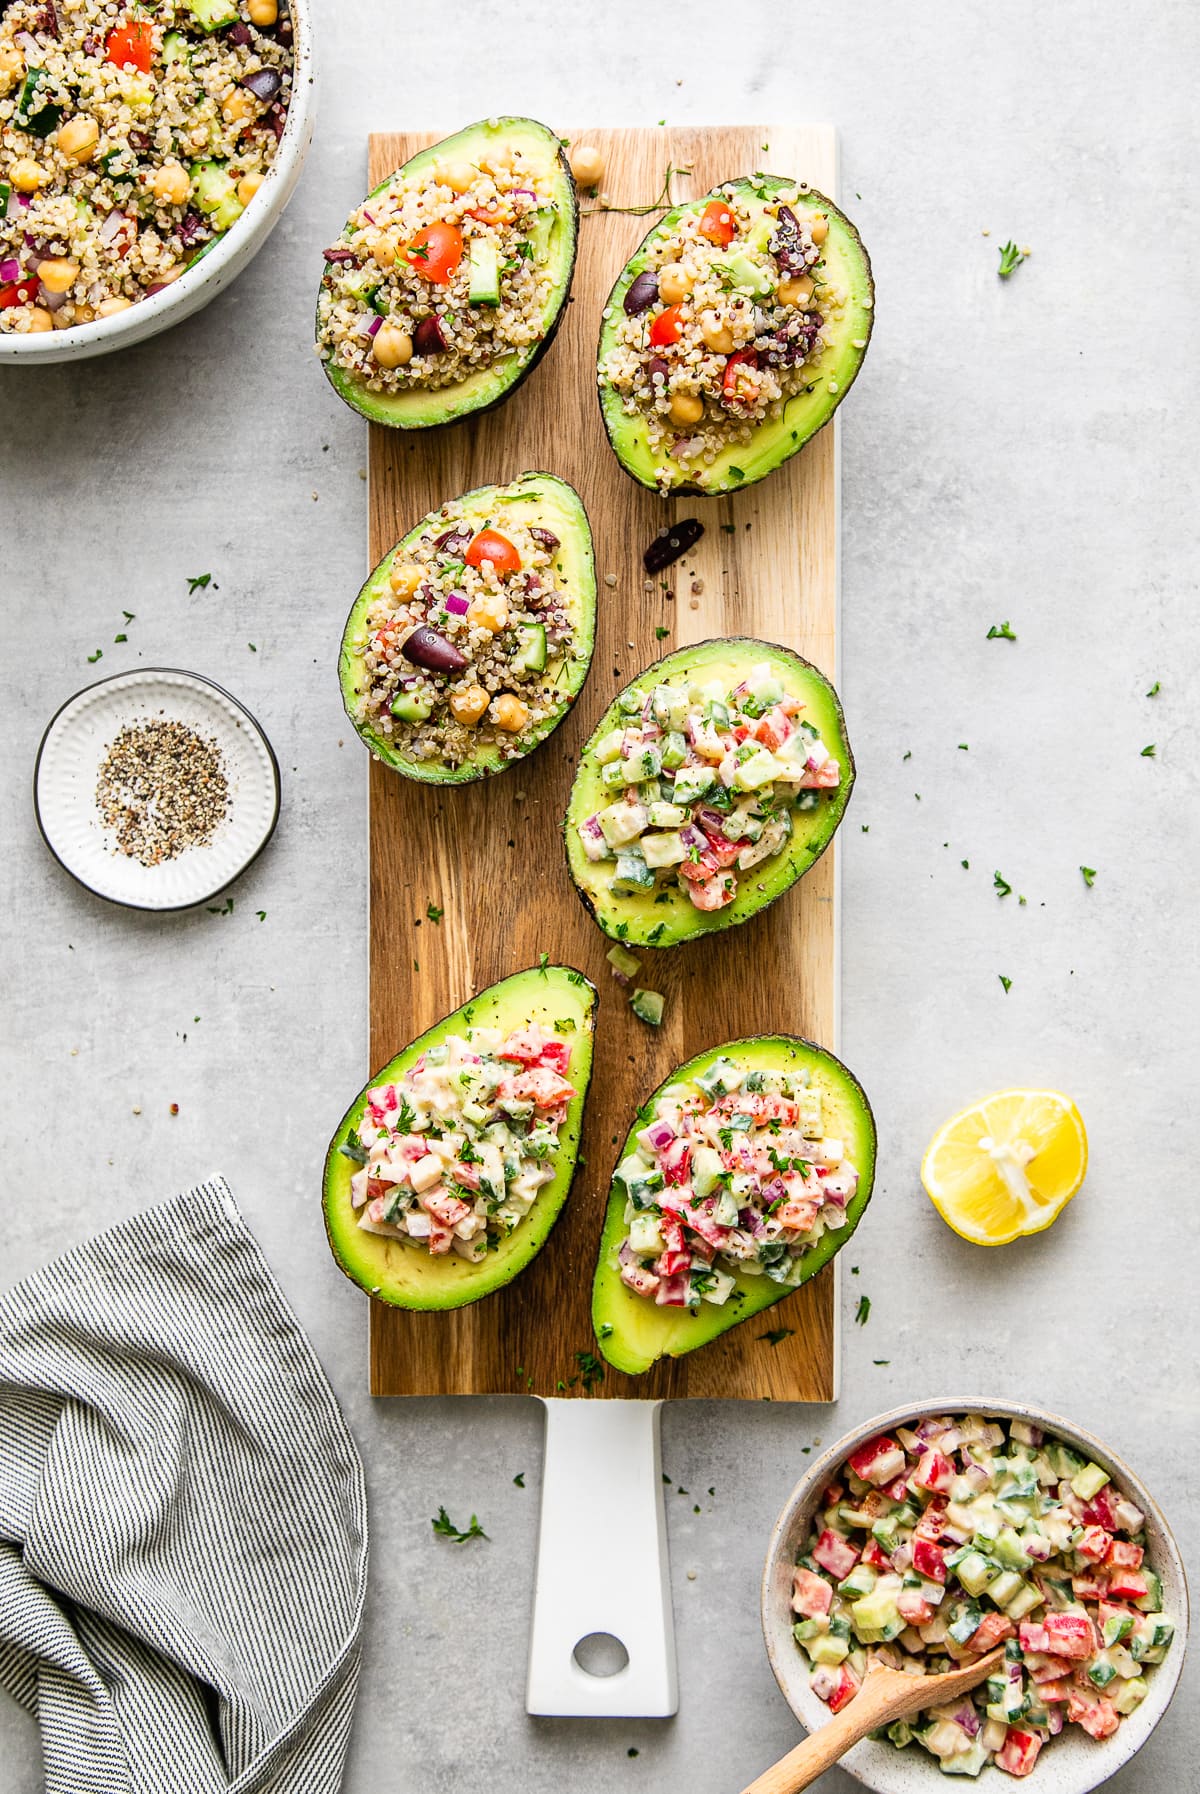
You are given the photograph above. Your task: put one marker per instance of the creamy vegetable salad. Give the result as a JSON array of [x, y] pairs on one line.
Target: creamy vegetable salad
[[940, 1543]]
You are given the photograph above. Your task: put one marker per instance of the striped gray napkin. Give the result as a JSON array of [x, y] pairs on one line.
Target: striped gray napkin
[[183, 1526]]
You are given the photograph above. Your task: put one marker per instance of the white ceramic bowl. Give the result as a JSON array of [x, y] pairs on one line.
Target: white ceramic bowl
[[69, 760], [193, 290], [1071, 1763]]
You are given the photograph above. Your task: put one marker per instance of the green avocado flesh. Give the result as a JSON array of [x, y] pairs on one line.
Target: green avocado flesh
[[422, 408], [406, 1275], [844, 264], [632, 1331], [538, 499], [666, 916]]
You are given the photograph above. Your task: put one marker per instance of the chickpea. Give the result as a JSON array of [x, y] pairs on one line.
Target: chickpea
[[262, 13], [458, 176], [58, 276], [509, 712], [818, 227], [239, 106], [40, 319], [489, 612], [587, 165], [686, 408], [386, 248], [392, 347], [717, 335], [77, 139], [469, 705], [25, 175], [674, 283], [171, 184], [248, 186], [64, 317], [796, 291], [108, 308], [405, 576], [11, 64]]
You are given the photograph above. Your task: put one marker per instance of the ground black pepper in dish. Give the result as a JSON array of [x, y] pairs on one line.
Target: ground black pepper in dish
[[162, 789]]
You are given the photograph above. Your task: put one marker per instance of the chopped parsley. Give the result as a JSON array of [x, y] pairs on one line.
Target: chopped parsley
[[1149, 751], [93, 658], [661, 633], [199, 582], [433, 912], [863, 1312], [1001, 632], [1006, 982], [776, 1335], [1154, 689], [591, 1370], [1089, 875], [543, 962], [1003, 888], [446, 1529], [519, 1479], [1010, 259]]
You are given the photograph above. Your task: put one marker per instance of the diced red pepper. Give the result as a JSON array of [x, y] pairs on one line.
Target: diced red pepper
[[667, 327], [131, 42], [557, 1055], [847, 1687], [914, 1608], [933, 1471], [1122, 1555], [835, 1553], [718, 223], [811, 1595], [1019, 1752], [1093, 1543], [1069, 1635], [738, 383], [992, 1630], [875, 1556], [713, 893], [1128, 1585], [773, 729], [929, 1560], [525, 1045], [878, 1461], [1098, 1717], [18, 292], [1101, 1510]]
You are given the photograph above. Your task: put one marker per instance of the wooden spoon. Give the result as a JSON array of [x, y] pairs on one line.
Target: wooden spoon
[[886, 1694]]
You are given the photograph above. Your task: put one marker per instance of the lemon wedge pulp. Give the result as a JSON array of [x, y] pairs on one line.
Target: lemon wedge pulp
[[1007, 1166]]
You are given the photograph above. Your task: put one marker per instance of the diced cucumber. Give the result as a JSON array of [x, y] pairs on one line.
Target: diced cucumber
[[631, 702], [804, 1630], [828, 1649], [644, 763], [663, 850], [720, 1078], [631, 876], [608, 748], [974, 1572], [1009, 1551], [645, 1235], [1131, 1694], [541, 230], [175, 47], [412, 706], [669, 706], [1003, 1587], [647, 1005], [674, 750], [965, 1762], [1088, 1482], [877, 1611], [1100, 1671], [759, 768], [1152, 1600], [484, 272], [691, 783], [531, 649], [615, 775], [1024, 1601], [965, 1623], [475, 1113], [764, 682], [622, 960], [622, 823], [1117, 1628], [212, 15], [664, 815], [706, 1171], [215, 191], [1062, 1460], [738, 272], [900, 1733]]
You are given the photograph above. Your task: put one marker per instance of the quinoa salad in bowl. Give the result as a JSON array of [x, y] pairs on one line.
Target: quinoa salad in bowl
[[738, 325], [144, 158], [468, 643], [448, 281]]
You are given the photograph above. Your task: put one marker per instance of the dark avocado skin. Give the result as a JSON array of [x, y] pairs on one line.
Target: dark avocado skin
[[438, 416], [558, 507], [632, 1332], [678, 921], [620, 429], [407, 1276]]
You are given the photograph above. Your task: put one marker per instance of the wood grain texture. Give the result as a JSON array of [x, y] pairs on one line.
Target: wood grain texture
[[490, 855]]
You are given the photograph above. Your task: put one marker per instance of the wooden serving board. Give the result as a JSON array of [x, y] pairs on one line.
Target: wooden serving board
[[490, 855]]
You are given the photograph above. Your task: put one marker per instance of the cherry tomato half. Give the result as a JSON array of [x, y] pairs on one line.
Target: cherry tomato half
[[436, 252], [131, 41], [667, 327], [19, 292], [717, 223], [738, 385], [490, 545]]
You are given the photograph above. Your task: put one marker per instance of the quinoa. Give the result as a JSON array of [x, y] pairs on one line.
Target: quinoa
[[721, 328], [129, 143], [501, 623], [395, 307], [161, 789]]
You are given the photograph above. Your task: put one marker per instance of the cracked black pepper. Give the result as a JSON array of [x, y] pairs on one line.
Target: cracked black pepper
[[161, 789]]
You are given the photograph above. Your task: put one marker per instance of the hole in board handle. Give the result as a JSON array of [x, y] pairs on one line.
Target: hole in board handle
[[600, 1654]]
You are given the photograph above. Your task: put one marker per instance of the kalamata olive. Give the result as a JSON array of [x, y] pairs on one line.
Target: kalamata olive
[[428, 337], [642, 294], [670, 543], [239, 34], [657, 365], [453, 541], [264, 84], [426, 648], [546, 537]]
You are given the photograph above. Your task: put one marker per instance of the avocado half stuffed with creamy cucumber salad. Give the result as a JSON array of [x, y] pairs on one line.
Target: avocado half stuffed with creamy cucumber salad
[[732, 335], [742, 1177], [709, 787], [938, 1543], [469, 642], [449, 281], [448, 1171]]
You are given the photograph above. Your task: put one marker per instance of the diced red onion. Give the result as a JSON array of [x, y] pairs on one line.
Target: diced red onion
[[659, 1134], [966, 1717], [111, 228], [458, 603], [684, 447], [10, 270], [52, 301], [374, 326], [692, 837], [523, 193]]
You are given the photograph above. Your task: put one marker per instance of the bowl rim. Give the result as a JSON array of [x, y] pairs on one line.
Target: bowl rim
[[137, 673], [150, 315], [1167, 1674]]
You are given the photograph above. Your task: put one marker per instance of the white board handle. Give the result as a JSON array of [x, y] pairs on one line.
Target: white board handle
[[602, 1565]]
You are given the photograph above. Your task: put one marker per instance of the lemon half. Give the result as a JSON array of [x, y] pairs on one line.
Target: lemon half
[[1007, 1166]]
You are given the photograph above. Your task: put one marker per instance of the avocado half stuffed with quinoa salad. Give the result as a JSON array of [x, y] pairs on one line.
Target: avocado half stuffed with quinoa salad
[[709, 787], [131, 140], [469, 642], [448, 1171], [733, 335], [450, 279]]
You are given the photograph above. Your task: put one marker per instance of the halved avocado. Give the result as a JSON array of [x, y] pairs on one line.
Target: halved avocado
[[541, 499], [408, 1276], [632, 1331], [845, 263], [556, 244], [665, 917]]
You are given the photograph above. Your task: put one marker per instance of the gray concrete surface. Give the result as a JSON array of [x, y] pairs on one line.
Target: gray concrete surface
[[1024, 450]]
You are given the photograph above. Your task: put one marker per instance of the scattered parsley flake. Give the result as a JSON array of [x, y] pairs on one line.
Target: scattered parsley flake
[[1003, 888], [863, 1312], [1006, 982], [661, 633], [881, 1361], [226, 908], [519, 1479], [261, 914], [252, 648], [129, 616], [1089, 875], [93, 658], [433, 912], [446, 1529], [120, 638], [1010, 259], [591, 1370], [964, 747], [1154, 689], [777, 1335], [1001, 632], [198, 582], [543, 962], [1149, 751]]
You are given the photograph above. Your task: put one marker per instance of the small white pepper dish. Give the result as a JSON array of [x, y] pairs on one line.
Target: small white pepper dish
[[211, 772], [1072, 1763]]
